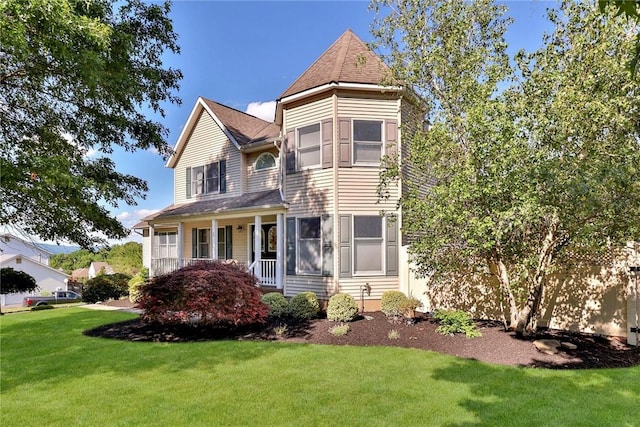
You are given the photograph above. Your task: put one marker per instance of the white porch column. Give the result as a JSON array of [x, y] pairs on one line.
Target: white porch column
[[279, 250], [257, 245], [214, 238], [180, 245], [152, 252]]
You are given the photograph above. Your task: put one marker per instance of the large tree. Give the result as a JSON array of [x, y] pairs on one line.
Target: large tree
[[16, 281], [75, 77], [523, 164]]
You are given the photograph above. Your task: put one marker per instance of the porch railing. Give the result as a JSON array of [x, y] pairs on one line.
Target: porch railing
[[167, 265], [267, 271]]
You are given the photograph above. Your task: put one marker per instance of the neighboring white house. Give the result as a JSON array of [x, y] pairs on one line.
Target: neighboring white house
[[97, 268], [10, 244], [47, 278]]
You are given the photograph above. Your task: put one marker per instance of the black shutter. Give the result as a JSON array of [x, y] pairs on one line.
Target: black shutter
[[345, 245], [391, 249], [223, 176], [327, 245], [194, 243], [291, 151], [228, 242], [188, 183], [291, 246]]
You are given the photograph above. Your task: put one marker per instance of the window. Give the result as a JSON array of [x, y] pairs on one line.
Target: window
[[367, 141], [203, 243], [265, 161], [166, 244], [309, 146], [206, 179], [222, 243], [367, 245], [309, 247]]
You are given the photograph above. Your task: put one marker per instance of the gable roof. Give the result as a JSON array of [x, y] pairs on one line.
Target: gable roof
[[242, 129], [5, 259], [347, 60], [7, 237], [245, 128]]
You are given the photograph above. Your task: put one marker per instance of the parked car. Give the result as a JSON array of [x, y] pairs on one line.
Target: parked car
[[58, 297]]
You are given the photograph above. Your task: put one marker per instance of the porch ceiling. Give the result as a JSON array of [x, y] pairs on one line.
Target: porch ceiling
[[256, 200]]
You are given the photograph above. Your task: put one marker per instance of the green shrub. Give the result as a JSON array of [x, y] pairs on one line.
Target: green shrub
[[455, 322], [280, 330], [136, 282], [339, 330], [392, 303], [42, 307], [105, 287], [342, 308], [304, 306], [277, 303]]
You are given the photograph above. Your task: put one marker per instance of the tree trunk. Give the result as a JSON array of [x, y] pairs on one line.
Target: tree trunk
[[528, 318], [502, 275]]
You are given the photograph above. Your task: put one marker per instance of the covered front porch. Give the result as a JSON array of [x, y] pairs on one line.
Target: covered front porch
[[255, 242]]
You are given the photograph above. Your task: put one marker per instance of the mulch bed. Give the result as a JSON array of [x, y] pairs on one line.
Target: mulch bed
[[495, 346]]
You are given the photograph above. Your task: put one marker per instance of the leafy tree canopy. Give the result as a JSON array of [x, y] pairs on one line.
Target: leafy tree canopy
[[126, 258], [74, 77], [631, 9], [523, 163], [15, 281]]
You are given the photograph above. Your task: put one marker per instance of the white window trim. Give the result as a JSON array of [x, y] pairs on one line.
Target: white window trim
[[353, 141], [156, 247], [207, 232], [382, 249], [297, 135], [308, 273], [255, 163], [204, 182], [222, 255]]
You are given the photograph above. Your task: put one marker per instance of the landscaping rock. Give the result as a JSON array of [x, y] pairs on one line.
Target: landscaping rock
[[568, 345], [547, 346]]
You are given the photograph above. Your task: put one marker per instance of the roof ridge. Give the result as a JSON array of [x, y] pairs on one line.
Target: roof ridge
[[342, 54], [316, 61]]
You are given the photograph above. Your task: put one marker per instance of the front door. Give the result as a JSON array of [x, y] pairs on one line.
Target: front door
[[269, 241]]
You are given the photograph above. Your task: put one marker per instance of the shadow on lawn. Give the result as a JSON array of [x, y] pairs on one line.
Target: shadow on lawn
[[53, 346], [507, 396]]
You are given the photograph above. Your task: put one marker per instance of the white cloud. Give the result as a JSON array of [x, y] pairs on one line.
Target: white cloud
[[264, 110], [129, 219]]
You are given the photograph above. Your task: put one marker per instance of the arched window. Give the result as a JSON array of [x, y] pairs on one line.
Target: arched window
[[265, 161]]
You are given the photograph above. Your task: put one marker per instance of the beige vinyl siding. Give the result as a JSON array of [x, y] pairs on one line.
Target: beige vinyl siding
[[308, 113], [368, 108], [260, 180], [310, 192], [322, 286], [207, 143], [379, 285], [357, 191]]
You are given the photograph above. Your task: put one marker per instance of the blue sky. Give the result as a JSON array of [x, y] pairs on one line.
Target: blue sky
[[245, 52]]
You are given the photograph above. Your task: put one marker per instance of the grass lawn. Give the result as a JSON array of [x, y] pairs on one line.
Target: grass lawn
[[53, 375]]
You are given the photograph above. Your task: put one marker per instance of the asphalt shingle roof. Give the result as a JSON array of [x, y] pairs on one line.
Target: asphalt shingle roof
[[244, 127], [258, 199], [347, 60]]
